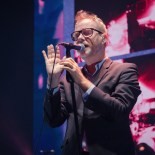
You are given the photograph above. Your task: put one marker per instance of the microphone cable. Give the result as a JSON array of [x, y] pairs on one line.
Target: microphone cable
[[43, 122]]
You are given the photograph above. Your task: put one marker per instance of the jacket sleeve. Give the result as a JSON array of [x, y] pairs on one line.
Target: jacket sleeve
[[121, 100], [55, 112]]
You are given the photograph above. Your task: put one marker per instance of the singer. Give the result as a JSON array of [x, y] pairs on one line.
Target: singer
[[105, 93]]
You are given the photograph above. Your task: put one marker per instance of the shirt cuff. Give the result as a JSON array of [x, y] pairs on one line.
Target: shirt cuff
[[52, 90], [87, 93]]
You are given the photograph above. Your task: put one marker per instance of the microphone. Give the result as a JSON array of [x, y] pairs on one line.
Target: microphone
[[79, 47]]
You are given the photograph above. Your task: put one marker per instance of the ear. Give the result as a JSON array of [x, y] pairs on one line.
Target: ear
[[103, 39]]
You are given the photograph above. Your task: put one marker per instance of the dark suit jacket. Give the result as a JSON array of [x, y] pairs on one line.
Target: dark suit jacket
[[106, 111]]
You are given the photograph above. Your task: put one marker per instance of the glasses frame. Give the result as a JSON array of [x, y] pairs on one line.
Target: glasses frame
[[81, 32]]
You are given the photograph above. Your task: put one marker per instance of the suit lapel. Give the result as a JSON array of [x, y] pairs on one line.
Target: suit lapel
[[98, 77], [103, 71]]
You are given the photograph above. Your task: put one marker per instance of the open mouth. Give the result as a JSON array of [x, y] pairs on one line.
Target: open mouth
[[86, 46]]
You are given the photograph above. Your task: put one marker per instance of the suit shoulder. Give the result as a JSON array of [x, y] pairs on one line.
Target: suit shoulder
[[125, 65]]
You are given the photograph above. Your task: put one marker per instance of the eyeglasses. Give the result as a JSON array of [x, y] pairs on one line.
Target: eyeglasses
[[87, 32]]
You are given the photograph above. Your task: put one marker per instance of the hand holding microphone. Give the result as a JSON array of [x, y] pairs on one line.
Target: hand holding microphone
[[55, 66], [70, 65]]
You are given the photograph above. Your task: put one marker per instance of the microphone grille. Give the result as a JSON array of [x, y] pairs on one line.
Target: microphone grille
[[82, 47]]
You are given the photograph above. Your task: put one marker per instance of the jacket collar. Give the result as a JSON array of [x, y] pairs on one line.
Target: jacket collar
[[103, 70]]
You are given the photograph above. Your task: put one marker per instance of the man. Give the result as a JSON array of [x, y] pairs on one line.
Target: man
[[105, 93]]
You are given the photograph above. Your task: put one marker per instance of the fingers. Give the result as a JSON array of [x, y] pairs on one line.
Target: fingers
[[57, 49], [70, 60], [51, 54], [50, 51], [66, 64], [69, 64], [44, 55]]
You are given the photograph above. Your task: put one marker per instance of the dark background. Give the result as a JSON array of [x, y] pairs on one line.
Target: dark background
[[16, 66]]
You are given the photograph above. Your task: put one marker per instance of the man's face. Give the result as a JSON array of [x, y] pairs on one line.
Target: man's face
[[94, 43]]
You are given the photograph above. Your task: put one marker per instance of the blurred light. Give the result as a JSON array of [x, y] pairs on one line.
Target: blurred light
[[148, 17], [41, 5], [118, 36], [141, 148], [40, 81]]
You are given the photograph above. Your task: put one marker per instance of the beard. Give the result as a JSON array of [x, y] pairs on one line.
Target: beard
[[86, 53]]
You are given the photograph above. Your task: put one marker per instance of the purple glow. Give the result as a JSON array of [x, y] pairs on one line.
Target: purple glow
[[41, 5], [59, 29], [40, 81]]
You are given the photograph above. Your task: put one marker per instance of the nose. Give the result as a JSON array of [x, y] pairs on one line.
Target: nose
[[80, 38]]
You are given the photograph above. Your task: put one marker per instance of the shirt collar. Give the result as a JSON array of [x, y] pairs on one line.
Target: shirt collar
[[94, 68]]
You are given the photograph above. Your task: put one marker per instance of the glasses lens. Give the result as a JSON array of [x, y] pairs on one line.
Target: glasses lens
[[87, 32], [75, 35]]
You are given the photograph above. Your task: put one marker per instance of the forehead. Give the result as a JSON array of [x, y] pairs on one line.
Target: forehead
[[85, 23]]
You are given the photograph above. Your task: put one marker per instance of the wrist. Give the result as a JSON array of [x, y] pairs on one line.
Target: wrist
[[54, 83], [85, 84]]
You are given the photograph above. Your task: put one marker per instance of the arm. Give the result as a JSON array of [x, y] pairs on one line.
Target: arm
[[55, 112], [121, 100]]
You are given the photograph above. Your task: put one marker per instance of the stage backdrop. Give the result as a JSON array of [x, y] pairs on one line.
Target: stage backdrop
[[131, 28]]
